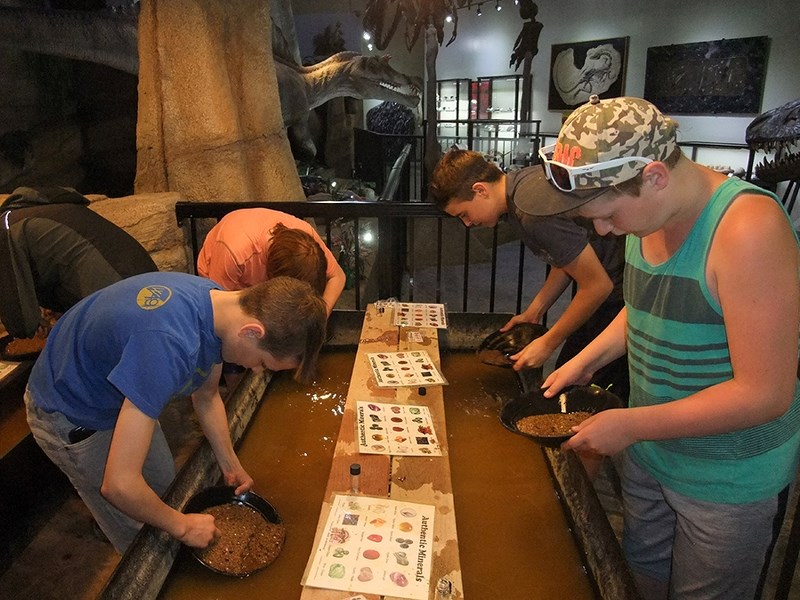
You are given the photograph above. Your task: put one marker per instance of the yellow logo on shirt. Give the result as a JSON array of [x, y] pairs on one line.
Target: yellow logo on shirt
[[153, 296]]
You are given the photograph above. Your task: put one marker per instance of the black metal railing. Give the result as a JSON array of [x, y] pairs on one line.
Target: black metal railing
[[405, 250]]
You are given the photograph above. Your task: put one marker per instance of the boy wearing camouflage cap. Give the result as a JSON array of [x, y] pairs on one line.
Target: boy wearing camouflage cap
[[476, 191], [710, 325]]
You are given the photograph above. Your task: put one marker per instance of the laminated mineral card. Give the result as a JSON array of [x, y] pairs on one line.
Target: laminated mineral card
[[418, 314], [375, 546], [404, 369], [397, 429]]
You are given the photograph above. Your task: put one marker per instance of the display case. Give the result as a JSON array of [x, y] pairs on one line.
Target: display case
[[484, 114], [496, 105], [452, 107], [452, 99], [497, 97]]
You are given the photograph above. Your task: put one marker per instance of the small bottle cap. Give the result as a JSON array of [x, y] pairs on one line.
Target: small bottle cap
[[355, 469]]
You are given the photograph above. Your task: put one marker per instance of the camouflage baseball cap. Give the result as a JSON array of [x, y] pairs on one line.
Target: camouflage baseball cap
[[597, 133]]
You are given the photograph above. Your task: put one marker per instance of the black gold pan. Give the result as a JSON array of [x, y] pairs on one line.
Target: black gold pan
[[577, 399], [497, 348], [219, 495]]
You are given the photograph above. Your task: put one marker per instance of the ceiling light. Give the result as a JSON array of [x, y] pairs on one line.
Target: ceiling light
[[479, 12], [367, 37], [497, 6]]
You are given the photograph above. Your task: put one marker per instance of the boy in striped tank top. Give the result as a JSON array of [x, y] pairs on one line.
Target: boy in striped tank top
[[709, 443]]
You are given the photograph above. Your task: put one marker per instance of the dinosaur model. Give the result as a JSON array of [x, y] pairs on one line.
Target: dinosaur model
[[109, 38], [528, 39], [343, 74], [777, 131]]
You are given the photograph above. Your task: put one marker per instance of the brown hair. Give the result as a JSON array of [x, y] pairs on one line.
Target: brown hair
[[457, 171], [633, 186], [295, 253], [294, 318]]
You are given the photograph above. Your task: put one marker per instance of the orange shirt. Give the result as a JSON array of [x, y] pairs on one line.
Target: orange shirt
[[236, 250]]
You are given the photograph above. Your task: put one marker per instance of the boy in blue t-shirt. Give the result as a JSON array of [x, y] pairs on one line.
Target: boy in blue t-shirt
[[114, 361]]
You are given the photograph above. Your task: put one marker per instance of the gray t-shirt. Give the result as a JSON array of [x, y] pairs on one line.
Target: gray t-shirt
[[558, 240]]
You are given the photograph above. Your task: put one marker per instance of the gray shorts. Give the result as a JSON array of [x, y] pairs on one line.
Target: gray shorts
[[84, 463], [703, 549]]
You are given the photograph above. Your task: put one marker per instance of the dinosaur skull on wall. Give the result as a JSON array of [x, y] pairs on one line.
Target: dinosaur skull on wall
[[778, 131]]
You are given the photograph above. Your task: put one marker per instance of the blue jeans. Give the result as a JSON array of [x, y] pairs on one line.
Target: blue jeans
[[84, 462], [703, 550]]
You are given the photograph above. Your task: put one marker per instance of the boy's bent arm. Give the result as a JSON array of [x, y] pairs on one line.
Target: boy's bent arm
[[124, 485], [594, 286], [753, 272], [554, 285], [333, 287], [605, 348], [334, 274], [210, 412]]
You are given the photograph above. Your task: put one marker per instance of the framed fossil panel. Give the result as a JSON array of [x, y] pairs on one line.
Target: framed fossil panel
[[716, 77], [580, 69]]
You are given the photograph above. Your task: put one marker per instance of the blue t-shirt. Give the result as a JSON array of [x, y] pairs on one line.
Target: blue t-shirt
[[149, 338]]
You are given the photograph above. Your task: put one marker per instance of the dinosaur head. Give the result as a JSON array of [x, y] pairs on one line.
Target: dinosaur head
[[372, 77], [778, 131]]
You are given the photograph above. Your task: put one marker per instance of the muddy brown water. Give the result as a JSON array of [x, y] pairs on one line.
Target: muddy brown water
[[514, 540]]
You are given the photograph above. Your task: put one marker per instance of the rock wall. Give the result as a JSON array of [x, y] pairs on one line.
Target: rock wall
[[150, 219], [210, 125]]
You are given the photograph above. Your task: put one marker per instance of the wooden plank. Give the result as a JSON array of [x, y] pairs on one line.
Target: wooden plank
[[412, 478], [13, 427], [427, 480], [10, 370], [13, 422]]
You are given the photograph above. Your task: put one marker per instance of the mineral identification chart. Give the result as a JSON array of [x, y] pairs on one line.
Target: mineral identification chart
[[397, 429], [404, 369], [375, 546], [420, 315]]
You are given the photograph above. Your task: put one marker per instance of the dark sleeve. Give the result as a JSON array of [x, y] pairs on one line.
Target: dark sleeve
[[19, 307], [125, 255], [67, 267]]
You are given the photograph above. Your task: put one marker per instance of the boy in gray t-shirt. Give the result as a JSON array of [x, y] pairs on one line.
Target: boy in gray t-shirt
[[467, 186]]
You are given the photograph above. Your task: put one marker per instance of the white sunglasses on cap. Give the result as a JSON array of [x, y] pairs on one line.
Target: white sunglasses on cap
[[563, 176]]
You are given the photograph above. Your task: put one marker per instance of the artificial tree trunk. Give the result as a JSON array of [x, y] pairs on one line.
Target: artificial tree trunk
[[209, 122], [433, 151]]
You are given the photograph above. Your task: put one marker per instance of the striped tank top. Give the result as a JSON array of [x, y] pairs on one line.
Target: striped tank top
[[677, 345]]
